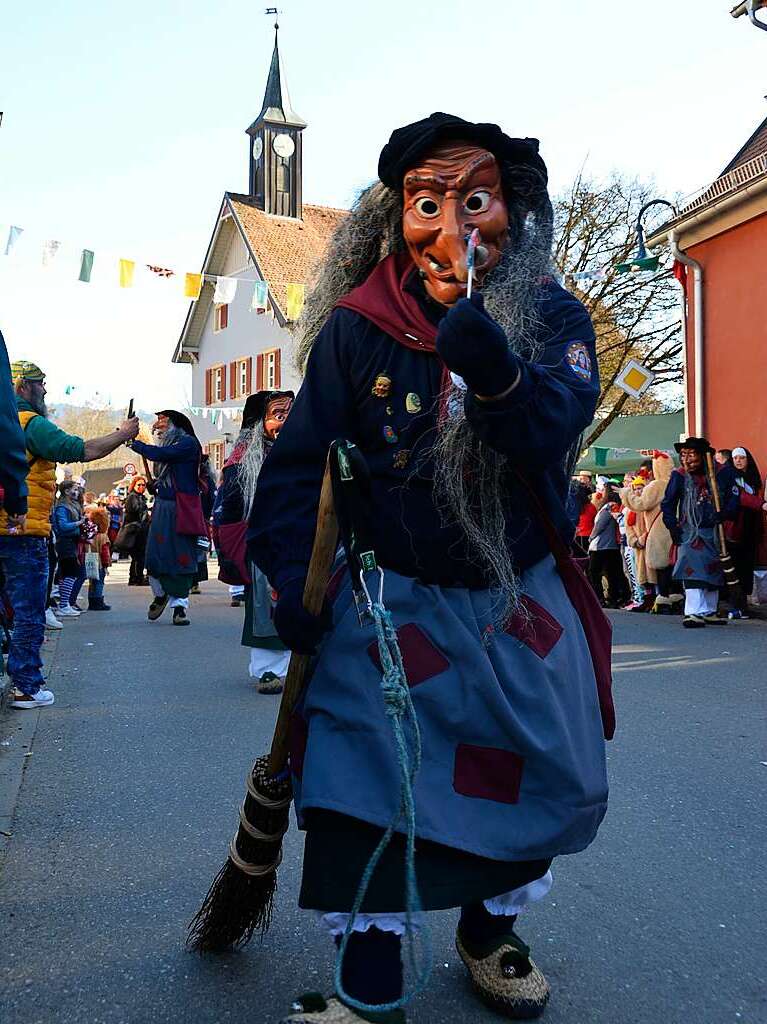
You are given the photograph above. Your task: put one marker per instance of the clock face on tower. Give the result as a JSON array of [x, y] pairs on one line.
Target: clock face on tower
[[283, 146], [258, 148]]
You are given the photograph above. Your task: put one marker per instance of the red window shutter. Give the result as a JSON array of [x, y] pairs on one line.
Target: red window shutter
[[260, 372], [224, 317], [233, 380], [222, 371], [208, 385], [249, 375], [277, 373]]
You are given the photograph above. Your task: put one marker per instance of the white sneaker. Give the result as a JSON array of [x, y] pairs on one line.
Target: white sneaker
[[51, 622], [68, 612], [25, 701]]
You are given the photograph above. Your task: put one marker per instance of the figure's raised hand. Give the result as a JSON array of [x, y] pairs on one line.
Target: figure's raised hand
[[475, 347]]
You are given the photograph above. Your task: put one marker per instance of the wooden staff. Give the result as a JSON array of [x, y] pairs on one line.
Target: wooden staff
[[730, 575], [323, 553], [241, 899]]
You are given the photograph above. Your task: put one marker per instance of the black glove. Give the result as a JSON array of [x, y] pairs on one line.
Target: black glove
[[676, 535], [298, 630], [473, 345]]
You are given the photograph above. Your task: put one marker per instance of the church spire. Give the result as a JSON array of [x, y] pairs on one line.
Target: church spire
[[277, 106], [276, 158]]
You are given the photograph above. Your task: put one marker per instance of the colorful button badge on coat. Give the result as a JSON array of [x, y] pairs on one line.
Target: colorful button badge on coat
[[389, 436], [382, 386], [401, 459], [413, 403]]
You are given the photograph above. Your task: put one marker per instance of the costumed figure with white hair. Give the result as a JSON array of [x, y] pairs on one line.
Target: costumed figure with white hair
[[470, 743], [177, 525], [262, 420]]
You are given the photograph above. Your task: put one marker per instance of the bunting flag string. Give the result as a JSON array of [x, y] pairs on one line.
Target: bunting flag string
[[226, 288], [192, 286], [260, 300], [13, 235], [295, 297], [50, 249], [86, 266], [127, 267]]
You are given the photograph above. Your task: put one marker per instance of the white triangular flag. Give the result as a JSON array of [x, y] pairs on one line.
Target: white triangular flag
[[50, 248], [226, 288]]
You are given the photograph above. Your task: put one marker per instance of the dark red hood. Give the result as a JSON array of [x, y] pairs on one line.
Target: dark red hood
[[384, 301]]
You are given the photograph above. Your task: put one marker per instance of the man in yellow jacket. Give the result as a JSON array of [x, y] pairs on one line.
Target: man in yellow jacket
[[23, 548]]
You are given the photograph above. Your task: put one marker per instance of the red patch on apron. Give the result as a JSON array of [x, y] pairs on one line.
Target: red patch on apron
[[487, 773], [535, 627], [422, 660]]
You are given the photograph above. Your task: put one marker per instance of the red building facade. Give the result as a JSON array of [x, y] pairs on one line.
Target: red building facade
[[725, 231]]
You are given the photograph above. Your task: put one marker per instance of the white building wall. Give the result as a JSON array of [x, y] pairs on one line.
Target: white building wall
[[246, 334]]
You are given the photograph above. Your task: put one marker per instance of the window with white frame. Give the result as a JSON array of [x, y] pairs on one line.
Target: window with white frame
[[216, 450], [220, 318], [242, 377], [218, 383], [271, 380]]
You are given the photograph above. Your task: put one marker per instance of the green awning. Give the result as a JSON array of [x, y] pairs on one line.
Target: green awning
[[616, 450]]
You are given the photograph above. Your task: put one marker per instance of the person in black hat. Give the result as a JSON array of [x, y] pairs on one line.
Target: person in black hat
[[466, 411], [263, 418], [177, 520], [691, 518]]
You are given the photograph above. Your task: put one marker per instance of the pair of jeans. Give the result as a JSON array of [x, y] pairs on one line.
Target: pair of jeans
[[96, 587], [25, 563]]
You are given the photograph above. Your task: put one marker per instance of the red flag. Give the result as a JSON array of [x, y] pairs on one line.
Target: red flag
[[160, 271], [680, 273]]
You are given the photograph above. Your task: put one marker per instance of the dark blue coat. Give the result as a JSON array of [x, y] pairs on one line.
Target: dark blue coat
[[671, 506], [183, 458], [534, 427]]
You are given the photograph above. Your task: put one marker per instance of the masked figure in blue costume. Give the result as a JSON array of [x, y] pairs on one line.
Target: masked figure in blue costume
[[467, 412]]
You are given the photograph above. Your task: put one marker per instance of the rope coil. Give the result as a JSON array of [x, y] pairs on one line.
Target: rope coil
[[398, 704]]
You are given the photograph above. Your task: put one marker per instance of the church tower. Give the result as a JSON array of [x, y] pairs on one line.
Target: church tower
[[275, 158]]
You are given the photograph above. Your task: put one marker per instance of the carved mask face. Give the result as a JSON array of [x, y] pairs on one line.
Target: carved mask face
[[276, 413], [446, 196], [691, 460]]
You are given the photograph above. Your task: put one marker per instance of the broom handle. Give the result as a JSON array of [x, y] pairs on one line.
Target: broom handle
[[323, 554], [717, 501]]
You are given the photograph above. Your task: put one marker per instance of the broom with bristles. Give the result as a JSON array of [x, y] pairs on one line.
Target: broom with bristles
[[735, 590], [240, 900]]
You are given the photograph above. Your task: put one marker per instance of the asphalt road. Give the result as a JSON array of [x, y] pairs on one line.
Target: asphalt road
[[130, 797]]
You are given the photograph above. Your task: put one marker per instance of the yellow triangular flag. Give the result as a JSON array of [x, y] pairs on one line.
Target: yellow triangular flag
[[295, 297], [193, 286], [126, 273]]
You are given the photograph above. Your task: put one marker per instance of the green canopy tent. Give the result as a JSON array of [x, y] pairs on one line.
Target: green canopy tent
[[616, 450]]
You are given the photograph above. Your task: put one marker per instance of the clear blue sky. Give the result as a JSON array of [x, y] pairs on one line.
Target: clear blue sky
[[124, 125]]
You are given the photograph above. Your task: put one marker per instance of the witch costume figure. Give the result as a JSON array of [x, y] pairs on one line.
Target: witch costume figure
[[263, 417], [691, 518], [177, 522], [466, 412]]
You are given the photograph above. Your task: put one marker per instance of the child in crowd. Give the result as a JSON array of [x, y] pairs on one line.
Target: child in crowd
[[98, 544], [67, 522]]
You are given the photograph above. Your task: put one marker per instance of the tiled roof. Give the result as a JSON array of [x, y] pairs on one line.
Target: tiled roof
[[756, 146], [286, 250]]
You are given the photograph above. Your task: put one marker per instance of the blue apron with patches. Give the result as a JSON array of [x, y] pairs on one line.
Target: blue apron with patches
[[513, 748], [697, 562]]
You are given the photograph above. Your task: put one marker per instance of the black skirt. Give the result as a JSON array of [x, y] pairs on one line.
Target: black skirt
[[337, 850]]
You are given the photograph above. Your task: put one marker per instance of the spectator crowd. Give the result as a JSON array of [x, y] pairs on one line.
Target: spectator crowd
[[668, 539]]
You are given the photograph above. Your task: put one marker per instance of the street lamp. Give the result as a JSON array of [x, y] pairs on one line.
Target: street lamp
[[750, 7], [642, 261]]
